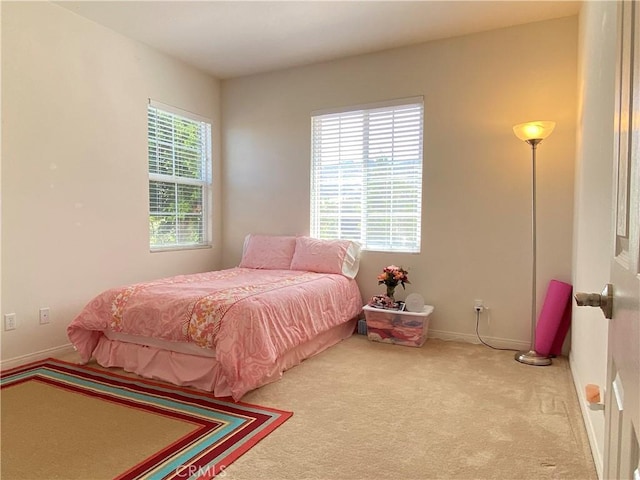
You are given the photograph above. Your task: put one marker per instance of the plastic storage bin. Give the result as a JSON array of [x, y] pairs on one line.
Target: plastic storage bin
[[397, 327]]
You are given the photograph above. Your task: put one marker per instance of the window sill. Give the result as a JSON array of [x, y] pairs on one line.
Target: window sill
[[178, 248]]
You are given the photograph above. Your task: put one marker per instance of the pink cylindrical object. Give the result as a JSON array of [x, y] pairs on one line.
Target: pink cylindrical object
[[555, 319]]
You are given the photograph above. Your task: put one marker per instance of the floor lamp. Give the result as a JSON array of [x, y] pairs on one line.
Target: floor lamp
[[533, 133]]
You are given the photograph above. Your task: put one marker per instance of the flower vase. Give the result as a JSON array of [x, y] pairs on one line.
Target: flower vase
[[390, 291]]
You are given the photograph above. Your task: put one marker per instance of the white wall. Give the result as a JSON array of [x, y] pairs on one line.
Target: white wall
[[74, 166], [477, 174], [593, 204]]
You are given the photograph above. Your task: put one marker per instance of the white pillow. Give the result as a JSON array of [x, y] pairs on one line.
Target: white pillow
[[269, 252], [326, 256]]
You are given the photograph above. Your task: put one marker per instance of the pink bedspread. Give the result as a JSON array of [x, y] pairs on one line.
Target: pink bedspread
[[250, 317]]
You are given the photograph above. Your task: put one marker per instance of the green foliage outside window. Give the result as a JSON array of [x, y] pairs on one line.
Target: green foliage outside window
[[178, 179]]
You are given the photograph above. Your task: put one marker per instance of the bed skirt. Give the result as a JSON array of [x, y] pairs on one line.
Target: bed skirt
[[203, 372]]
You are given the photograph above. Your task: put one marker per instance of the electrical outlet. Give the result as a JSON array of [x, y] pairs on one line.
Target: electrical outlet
[[44, 315], [10, 321], [478, 306]]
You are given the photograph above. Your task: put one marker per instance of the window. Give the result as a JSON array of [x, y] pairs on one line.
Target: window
[[179, 145], [366, 175]]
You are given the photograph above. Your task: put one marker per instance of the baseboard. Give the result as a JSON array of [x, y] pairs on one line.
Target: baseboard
[[34, 357], [471, 338], [598, 456]]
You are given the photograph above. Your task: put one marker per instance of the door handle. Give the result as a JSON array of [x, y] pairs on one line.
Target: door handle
[[603, 300]]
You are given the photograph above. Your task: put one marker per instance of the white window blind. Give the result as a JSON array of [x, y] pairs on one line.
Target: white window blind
[[179, 146], [366, 175]]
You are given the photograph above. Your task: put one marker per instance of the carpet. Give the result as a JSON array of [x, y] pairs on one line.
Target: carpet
[[61, 420]]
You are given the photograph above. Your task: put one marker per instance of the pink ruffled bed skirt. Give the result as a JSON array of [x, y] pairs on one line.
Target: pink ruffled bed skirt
[[204, 372]]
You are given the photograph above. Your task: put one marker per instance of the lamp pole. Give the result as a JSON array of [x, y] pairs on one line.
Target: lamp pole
[[532, 357]]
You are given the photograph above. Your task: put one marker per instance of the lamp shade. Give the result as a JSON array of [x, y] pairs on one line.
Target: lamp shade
[[538, 130]]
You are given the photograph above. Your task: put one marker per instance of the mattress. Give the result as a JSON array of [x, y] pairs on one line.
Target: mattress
[[178, 347], [201, 372], [245, 319]]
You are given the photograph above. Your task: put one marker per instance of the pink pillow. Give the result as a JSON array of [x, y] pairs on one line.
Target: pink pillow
[[326, 256], [268, 252]]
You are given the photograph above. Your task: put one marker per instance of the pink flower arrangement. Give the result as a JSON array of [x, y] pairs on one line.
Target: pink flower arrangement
[[391, 276]]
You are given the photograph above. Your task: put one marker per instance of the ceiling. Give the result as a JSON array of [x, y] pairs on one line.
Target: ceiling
[[235, 38]]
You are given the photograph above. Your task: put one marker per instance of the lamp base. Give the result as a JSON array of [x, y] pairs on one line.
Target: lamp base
[[533, 358]]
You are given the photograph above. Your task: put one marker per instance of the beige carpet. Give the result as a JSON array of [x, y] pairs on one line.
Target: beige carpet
[[366, 410]]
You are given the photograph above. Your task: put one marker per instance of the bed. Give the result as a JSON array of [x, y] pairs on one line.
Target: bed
[[228, 331]]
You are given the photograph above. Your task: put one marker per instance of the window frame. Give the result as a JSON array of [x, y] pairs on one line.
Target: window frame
[[205, 181], [366, 183]]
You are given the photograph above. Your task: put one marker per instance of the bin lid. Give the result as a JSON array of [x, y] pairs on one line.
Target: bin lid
[[425, 312]]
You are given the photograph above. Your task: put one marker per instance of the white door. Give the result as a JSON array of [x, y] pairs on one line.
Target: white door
[[622, 402]]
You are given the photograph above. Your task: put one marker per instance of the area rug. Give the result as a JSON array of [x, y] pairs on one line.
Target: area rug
[[61, 420]]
